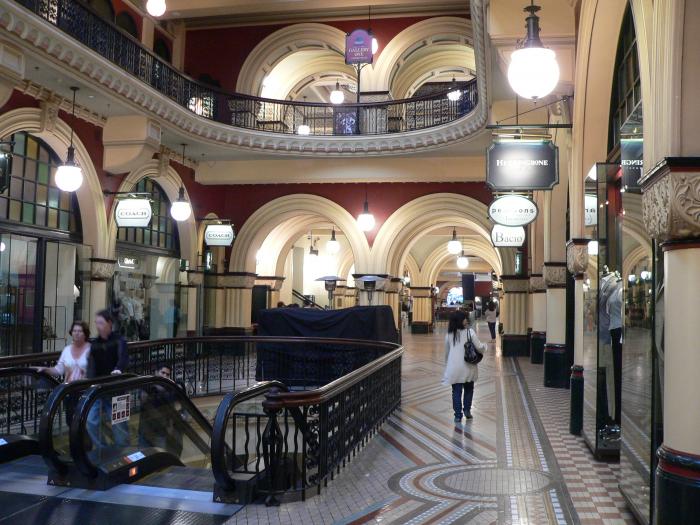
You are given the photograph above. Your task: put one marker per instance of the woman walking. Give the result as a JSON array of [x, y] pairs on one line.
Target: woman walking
[[458, 373], [492, 319]]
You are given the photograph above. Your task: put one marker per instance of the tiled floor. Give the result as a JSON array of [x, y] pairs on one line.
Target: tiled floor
[[515, 463]]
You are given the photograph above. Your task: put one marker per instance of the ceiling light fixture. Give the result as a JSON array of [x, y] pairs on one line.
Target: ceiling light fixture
[[332, 246], [533, 72], [365, 220], [454, 246], [304, 128], [462, 261], [454, 94], [375, 42], [181, 209], [156, 7], [69, 176], [337, 96]]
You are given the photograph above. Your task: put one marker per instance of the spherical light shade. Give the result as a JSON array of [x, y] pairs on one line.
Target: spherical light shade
[[155, 7], [454, 247], [3, 246], [69, 177], [365, 221], [533, 72], [593, 248], [181, 210], [304, 129], [375, 46], [337, 96], [454, 95], [332, 247], [462, 262]]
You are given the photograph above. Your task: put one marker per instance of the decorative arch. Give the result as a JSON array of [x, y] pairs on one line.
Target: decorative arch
[[171, 183], [434, 32], [345, 263], [261, 223], [437, 260], [411, 266], [93, 213], [633, 258], [440, 65], [283, 43]]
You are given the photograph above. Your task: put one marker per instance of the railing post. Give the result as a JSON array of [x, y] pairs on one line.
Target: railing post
[[272, 443]]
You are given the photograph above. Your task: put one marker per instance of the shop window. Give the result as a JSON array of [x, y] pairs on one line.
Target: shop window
[[162, 232], [32, 197], [125, 21], [162, 49]]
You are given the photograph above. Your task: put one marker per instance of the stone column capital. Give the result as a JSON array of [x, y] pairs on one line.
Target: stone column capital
[[515, 283], [273, 281], [195, 278], [671, 199], [237, 280], [577, 256], [554, 274], [102, 269], [537, 283]]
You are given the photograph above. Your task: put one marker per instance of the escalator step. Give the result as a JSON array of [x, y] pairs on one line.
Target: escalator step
[[185, 478]]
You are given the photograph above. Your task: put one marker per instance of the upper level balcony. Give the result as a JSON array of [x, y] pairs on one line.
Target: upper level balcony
[[74, 36]]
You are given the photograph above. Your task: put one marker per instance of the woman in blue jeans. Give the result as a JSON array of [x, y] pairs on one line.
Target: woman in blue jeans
[[458, 373]]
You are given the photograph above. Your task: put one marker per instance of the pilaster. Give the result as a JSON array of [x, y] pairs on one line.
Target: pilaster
[[515, 303], [101, 271], [556, 371]]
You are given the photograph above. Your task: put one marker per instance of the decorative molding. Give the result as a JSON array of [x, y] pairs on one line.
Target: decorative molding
[[671, 199], [102, 269], [195, 278], [537, 284], [515, 284], [237, 280], [49, 113], [63, 104], [26, 29], [554, 274], [577, 256]]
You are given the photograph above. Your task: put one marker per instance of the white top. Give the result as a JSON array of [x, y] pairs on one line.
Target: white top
[[71, 369], [492, 316], [456, 369]]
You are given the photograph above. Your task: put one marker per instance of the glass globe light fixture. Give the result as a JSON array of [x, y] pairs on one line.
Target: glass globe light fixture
[[454, 246], [533, 71], [454, 94], [69, 176], [375, 46], [181, 209], [337, 96], [332, 246], [304, 129], [3, 246], [462, 261], [365, 220], [593, 248], [155, 7]]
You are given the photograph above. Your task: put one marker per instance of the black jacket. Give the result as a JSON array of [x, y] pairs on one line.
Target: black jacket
[[107, 355]]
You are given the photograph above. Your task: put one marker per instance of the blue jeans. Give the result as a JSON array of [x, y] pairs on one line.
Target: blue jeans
[[99, 419], [492, 329], [457, 389]]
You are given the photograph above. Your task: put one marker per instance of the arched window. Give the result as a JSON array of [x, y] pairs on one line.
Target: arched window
[[162, 49], [128, 24], [32, 197], [103, 8], [626, 99], [162, 232]]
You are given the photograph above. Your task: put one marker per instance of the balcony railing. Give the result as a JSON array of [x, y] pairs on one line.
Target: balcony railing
[[246, 111]]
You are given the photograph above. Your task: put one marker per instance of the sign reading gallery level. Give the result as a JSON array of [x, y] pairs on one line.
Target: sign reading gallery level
[[512, 210], [522, 166], [358, 47], [219, 235], [507, 236]]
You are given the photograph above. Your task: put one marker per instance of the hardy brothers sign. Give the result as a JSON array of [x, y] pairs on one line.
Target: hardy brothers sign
[[522, 166], [513, 210]]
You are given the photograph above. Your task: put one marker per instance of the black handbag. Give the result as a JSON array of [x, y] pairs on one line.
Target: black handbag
[[471, 354]]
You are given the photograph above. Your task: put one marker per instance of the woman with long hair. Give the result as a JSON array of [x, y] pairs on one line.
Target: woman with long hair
[[458, 373], [492, 319]]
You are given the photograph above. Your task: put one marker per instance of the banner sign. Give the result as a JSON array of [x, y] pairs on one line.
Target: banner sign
[[133, 213], [507, 236], [590, 205], [513, 210], [631, 159], [219, 235], [522, 166], [358, 47]]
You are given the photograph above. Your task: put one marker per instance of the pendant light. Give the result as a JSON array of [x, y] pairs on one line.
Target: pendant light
[[533, 71], [69, 176], [454, 94], [593, 248], [365, 220], [313, 251], [181, 209], [304, 128], [462, 261], [337, 96], [454, 246], [156, 7], [332, 246], [375, 42]]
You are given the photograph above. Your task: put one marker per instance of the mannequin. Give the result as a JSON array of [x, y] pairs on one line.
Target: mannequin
[[608, 288], [614, 307]]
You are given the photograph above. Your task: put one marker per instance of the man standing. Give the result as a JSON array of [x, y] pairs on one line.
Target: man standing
[[108, 356]]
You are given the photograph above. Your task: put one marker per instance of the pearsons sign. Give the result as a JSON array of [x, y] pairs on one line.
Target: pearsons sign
[[507, 236], [512, 210], [219, 235], [133, 213], [522, 166], [358, 47]]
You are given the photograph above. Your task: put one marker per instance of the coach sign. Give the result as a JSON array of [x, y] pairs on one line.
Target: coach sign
[[507, 236], [513, 210], [522, 166], [219, 235], [358, 47]]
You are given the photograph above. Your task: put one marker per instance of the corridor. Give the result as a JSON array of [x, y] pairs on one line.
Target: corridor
[[514, 463]]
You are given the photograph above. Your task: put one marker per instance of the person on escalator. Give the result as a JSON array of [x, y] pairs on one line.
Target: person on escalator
[[108, 356], [157, 423]]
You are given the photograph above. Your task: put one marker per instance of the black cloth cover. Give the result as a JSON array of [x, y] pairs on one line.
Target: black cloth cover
[[312, 364]]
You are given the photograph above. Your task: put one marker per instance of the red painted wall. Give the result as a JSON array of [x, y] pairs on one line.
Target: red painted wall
[[120, 6], [221, 52]]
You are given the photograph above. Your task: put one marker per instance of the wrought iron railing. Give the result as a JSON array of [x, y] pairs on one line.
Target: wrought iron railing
[[23, 393], [245, 111]]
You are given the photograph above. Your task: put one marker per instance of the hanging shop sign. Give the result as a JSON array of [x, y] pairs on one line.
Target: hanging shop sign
[[522, 166], [590, 204], [513, 210], [128, 262], [358, 47], [133, 213], [507, 236], [631, 159], [219, 235]]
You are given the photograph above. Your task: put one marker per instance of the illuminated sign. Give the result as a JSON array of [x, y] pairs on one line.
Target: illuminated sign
[[219, 235], [513, 210], [128, 261], [358, 47], [522, 166], [590, 204], [133, 213], [507, 236]]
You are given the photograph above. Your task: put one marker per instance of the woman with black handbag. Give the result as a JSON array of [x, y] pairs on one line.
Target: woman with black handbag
[[463, 352]]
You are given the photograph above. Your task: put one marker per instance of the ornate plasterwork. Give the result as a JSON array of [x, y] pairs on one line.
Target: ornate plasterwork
[[554, 274], [101, 269], [241, 280], [671, 205], [537, 283], [24, 28], [577, 256], [195, 278], [49, 113], [516, 285]]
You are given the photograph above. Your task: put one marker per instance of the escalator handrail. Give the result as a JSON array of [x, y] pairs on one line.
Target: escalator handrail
[[53, 406], [28, 371], [219, 449], [78, 427]]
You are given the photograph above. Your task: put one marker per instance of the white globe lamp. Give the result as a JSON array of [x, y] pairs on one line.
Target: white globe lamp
[[365, 220], [69, 176], [181, 209], [593, 248], [332, 246], [454, 246], [337, 96], [462, 261], [454, 94], [155, 7]]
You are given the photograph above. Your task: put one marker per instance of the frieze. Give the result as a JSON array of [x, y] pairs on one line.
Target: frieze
[[537, 283], [516, 285], [195, 278], [577, 256], [554, 274], [102, 269]]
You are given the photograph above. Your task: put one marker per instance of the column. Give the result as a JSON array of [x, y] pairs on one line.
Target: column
[[392, 297], [275, 284], [577, 264], [538, 318], [350, 297], [195, 281], [556, 370], [515, 304], [422, 309], [238, 301], [101, 271], [339, 294]]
